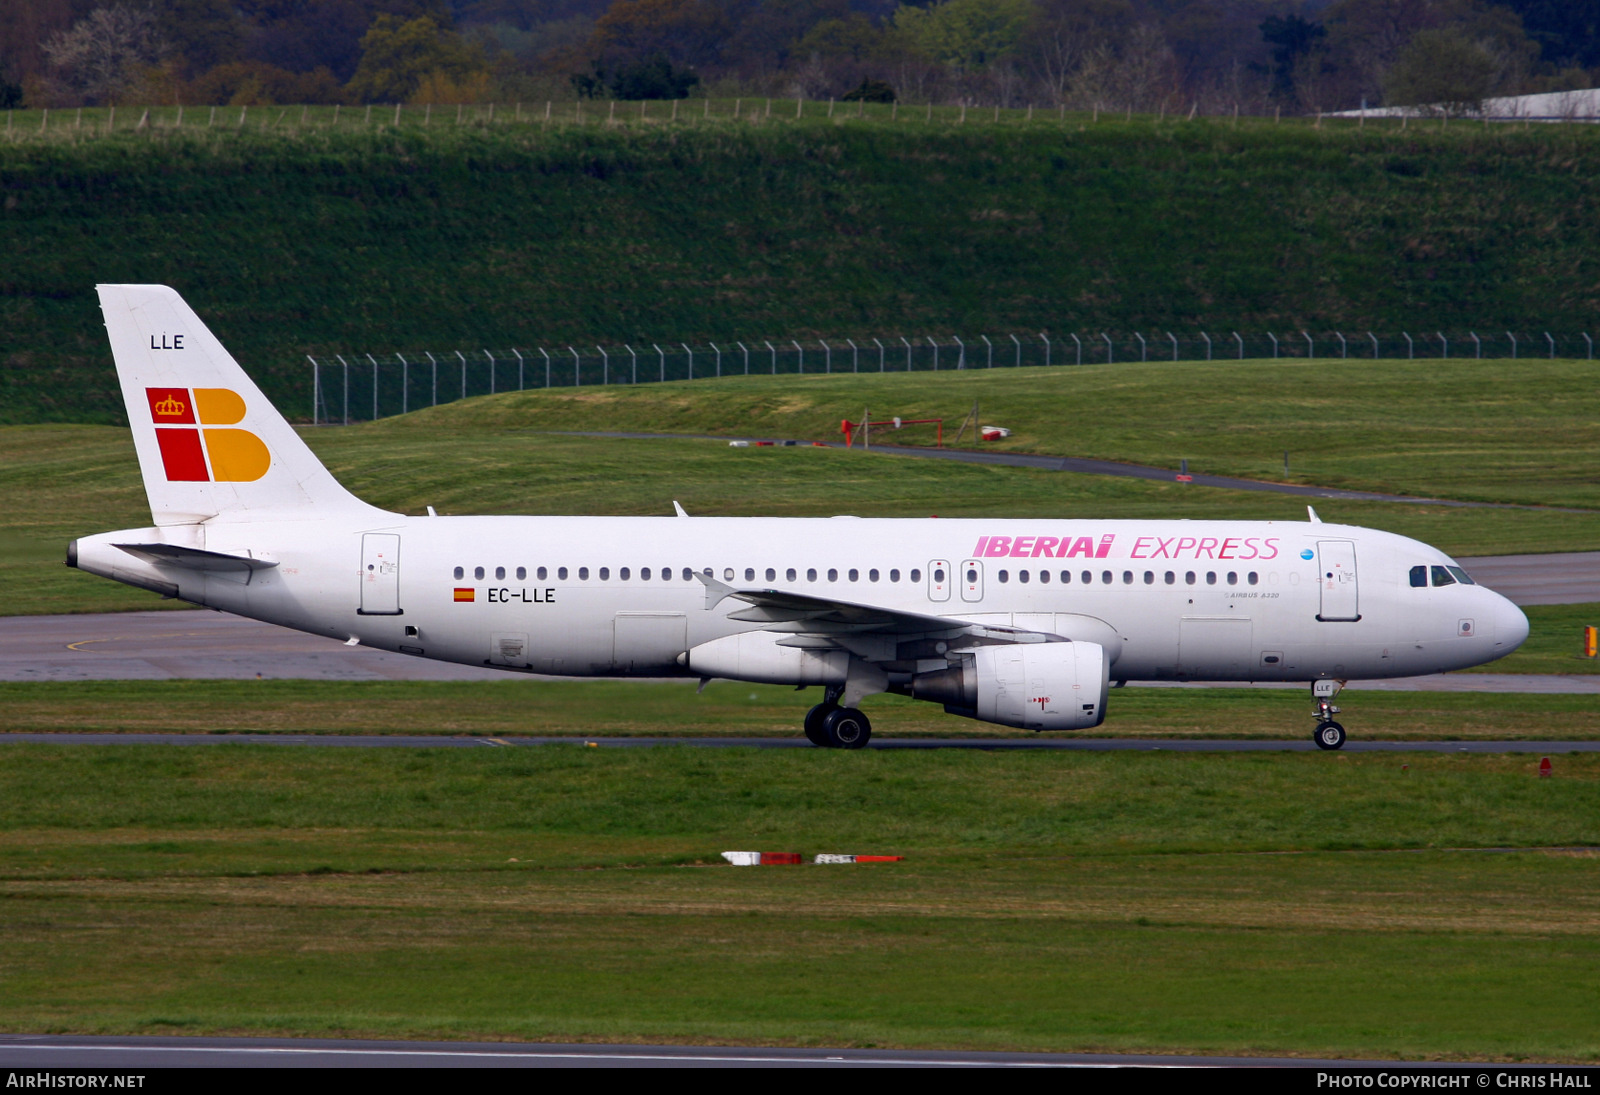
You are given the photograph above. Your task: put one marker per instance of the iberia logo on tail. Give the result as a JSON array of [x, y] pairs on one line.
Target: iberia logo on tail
[[194, 452]]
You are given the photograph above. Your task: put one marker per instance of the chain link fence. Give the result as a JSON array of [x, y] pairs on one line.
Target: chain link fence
[[360, 387]]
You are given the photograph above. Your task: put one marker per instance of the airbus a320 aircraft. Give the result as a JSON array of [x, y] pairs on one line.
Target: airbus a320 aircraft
[[1023, 623]]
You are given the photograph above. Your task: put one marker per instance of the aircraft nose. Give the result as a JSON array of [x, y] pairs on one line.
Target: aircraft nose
[[1510, 625]]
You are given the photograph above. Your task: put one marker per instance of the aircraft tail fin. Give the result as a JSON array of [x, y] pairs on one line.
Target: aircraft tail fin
[[209, 443]]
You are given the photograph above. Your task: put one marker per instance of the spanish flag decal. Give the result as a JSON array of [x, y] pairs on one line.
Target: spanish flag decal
[[466, 594], [191, 455]]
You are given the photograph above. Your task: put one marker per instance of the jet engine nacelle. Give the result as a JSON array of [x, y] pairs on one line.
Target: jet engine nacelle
[[1035, 686], [756, 656]]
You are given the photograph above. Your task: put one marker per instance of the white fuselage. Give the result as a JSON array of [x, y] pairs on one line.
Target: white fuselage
[[614, 596]]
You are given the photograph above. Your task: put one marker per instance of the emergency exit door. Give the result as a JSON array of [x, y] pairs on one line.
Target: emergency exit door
[[380, 574], [1336, 573]]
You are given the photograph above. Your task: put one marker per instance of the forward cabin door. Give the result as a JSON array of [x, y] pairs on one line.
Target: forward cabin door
[[1337, 575], [380, 574]]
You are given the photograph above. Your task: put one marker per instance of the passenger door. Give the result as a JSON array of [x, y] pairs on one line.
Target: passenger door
[[1336, 573], [380, 574], [939, 580]]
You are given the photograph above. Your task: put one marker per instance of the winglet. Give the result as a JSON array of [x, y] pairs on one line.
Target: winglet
[[679, 510], [1311, 514], [716, 592]]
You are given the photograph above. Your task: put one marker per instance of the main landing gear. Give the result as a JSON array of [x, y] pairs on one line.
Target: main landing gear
[[1328, 734], [835, 727]]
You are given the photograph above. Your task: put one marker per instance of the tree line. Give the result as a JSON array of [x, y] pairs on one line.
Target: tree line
[[1214, 56]]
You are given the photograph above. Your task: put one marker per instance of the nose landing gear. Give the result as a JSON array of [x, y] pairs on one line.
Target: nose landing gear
[[1328, 734], [834, 727]]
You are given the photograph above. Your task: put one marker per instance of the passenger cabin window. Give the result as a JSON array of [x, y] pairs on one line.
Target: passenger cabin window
[[1127, 577], [938, 575], [1253, 577], [811, 574], [1149, 577], [1087, 577], [623, 574], [749, 574], [1443, 577], [1004, 576], [561, 573], [727, 574], [833, 575], [1233, 577], [1044, 576], [1170, 577], [499, 574], [1419, 577], [1106, 577], [772, 575], [666, 574], [894, 576], [854, 575], [460, 574], [791, 574], [872, 575], [1066, 577], [644, 574], [478, 573], [1211, 577], [522, 574], [916, 574], [1188, 577], [542, 574], [688, 574], [583, 574]]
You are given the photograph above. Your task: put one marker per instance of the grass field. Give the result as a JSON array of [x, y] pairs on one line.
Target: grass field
[[1228, 904], [729, 709], [378, 240]]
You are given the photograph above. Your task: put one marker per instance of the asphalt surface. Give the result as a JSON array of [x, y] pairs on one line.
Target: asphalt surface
[[68, 1051], [1081, 745], [1562, 578]]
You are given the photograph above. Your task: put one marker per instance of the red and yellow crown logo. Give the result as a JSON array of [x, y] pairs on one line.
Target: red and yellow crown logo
[[190, 455]]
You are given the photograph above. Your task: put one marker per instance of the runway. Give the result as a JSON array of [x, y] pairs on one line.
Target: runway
[[205, 645], [69, 1051], [998, 745]]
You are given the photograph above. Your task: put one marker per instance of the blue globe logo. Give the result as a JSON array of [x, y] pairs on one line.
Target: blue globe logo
[[1306, 553]]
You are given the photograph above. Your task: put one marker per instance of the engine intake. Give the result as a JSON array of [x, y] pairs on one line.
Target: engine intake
[[1035, 686]]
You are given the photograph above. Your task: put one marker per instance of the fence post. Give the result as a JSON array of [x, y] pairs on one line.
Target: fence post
[[346, 365], [746, 350], [1241, 344], [1344, 349], [1411, 349], [634, 360], [774, 350], [961, 357], [1018, 341], [714, 345], [1311, 347], [908, 353], [1590, 341], [577, 369], [519, 368], [605, 364], [1174, 339], [690, 352], [1079, 342], [1477, 345], [316, 386], [1043, 335], [490, 356], [1376, 351], [880, 355], [463, 358], [546, 368], [1144, 349], [1552, 345], [989, 363], [435, 365], [1274, 339], [374, 386], [828, 350], [1513, 339], [1110, 353], [1208, 344], [935, 346], [1445, 343], [798, 348], [663, 357], [855, 356]]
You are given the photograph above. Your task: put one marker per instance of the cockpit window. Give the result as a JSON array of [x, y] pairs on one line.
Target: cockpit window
[[1419, 577], [1443, 577], [1462, 576]]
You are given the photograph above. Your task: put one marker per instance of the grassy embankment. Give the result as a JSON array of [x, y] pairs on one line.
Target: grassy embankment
[[1226, 904], [382, 239]]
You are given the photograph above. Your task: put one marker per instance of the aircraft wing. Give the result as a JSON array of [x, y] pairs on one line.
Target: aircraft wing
[[871, 631]]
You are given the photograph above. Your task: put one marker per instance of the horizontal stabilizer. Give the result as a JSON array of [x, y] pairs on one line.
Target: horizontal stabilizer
[[193, 558]]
